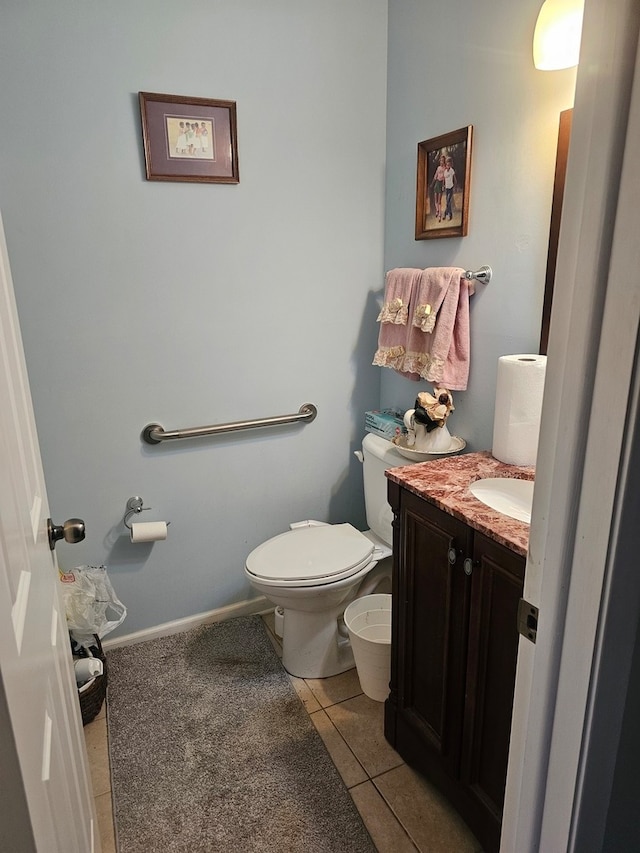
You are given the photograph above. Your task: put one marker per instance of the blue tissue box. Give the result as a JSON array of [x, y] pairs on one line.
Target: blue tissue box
[[387, 423]]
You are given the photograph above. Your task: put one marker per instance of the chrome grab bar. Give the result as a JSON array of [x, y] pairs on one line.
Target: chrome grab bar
[[155, 434]]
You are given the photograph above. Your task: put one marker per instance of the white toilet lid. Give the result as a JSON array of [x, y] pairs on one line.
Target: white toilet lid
[[308, 555]]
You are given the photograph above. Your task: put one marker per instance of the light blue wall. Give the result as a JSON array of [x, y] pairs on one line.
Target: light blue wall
[[456, 64], [191, 304], [194, 304]]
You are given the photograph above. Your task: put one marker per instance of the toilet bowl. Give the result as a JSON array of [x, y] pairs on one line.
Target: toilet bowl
[[314, 570]]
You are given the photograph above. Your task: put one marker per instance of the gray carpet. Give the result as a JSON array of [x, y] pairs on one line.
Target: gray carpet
[[211, 750]]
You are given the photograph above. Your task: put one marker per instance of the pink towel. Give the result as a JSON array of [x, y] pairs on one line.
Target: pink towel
[[441, 355], [455, 373], [434, 345], [436, 284], [394, 316]]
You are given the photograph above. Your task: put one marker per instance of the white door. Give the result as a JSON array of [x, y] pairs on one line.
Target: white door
[[50, 803]]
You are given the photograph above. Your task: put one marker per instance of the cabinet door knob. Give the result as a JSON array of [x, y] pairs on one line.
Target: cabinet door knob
[[468, 565], [453, 556]]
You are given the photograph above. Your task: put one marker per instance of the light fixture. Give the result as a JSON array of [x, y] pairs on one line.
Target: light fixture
[[556, 40]]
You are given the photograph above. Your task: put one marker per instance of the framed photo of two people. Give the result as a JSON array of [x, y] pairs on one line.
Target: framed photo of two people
[[442, 192]]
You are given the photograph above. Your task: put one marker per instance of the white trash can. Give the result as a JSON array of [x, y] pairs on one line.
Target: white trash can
[[368, 621]]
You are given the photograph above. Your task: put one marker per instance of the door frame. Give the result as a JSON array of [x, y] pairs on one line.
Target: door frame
[[587, 435]]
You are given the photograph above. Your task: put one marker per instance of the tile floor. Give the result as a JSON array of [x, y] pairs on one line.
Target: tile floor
[[400, 809], [95, 735]]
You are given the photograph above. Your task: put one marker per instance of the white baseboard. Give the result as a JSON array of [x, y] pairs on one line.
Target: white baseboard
[[242, 608]]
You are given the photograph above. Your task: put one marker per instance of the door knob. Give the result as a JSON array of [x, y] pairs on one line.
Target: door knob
[[71, 531]]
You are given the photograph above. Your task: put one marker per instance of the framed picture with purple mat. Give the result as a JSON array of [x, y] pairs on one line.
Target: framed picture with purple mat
[[189, 139]]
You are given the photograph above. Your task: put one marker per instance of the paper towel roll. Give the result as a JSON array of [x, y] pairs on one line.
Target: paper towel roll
[[148, 531], [516, 422]]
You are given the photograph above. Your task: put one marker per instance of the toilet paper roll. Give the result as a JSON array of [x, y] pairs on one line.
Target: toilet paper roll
[[148, 531], [516, 422]]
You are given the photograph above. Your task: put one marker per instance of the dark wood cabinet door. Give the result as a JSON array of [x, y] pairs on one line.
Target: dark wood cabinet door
[[454, 649], [431, 611], [497, 582]]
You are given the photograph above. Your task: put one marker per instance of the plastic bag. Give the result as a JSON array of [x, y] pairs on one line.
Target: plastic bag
[[91, 604]]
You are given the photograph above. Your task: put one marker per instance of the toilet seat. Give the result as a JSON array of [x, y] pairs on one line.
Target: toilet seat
[[310, 556]]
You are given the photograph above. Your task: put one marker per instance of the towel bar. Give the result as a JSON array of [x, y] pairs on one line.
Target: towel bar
[[155, 434], [482, 275]]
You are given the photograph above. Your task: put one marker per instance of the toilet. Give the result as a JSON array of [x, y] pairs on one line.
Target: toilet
[[314, 570]]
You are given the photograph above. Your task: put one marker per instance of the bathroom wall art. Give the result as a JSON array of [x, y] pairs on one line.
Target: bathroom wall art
[[443, 182], [189, 139]]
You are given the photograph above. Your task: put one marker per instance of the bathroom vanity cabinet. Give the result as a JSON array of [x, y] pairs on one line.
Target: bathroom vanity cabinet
[[453, 659]]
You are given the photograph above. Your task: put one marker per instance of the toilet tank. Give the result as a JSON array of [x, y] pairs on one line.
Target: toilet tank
[[378, 455]]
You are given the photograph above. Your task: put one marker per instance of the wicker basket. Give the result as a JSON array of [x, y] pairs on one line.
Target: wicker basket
[[92, 697]]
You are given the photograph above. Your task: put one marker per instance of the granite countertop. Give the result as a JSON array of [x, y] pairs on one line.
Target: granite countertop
[[445, 482]]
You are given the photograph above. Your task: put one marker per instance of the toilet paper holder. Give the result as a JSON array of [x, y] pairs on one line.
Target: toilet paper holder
[[135, 505]]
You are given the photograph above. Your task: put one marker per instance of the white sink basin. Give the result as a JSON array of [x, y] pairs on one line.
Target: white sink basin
[[510, 497]]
